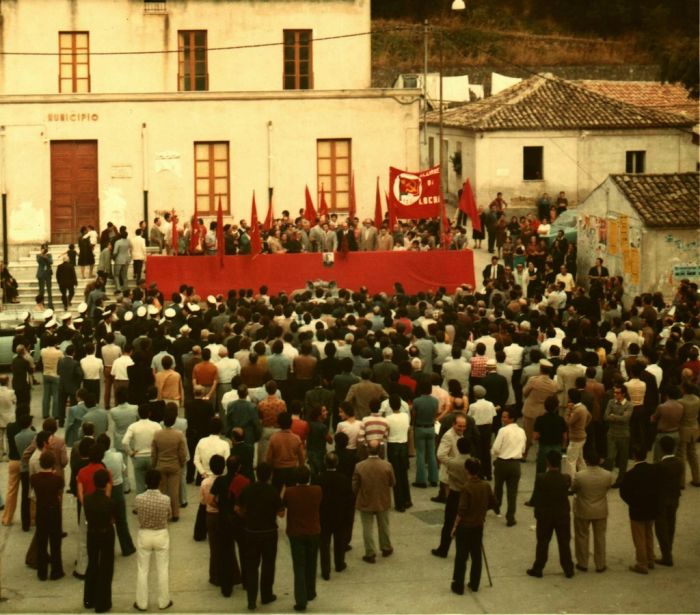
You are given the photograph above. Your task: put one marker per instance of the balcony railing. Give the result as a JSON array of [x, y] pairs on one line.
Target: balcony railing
[[155, 8]]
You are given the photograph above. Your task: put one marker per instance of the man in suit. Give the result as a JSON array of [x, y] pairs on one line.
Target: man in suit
[[121, 255], [640, 489], [536, 390], [372, 482], [168, 456], [551, 502], [671, 471], [346, 238], [243, 413], [70, 377], [156, 236], [362, 393], [368, 237], [591, 487], [383, 370], [598, 279], [494, 271], [337, 510]]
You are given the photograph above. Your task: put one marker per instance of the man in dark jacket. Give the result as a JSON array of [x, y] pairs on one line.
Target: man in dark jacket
[[337, 510], [671, 471], [67, 281], [551, 502], [640, 489], [70, 377]]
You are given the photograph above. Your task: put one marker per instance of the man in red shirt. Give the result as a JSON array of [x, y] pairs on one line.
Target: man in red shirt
[[303, 504], [205, 374]]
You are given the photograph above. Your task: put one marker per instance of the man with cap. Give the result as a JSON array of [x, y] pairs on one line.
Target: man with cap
[[536, 390], [483, 412], [66, 330]]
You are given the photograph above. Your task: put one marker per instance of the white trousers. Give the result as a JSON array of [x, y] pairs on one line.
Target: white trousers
[[158, 542], [574, 458]]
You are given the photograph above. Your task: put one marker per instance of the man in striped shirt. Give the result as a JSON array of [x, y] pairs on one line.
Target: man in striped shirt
[[374, 426]]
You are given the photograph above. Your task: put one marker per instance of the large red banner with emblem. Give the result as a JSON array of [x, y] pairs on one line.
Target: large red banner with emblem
[[415, 195]]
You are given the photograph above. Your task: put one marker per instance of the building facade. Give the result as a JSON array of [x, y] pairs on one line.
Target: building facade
[[113, 110], [547, 135]]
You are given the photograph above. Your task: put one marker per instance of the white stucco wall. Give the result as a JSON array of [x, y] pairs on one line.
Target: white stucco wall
[[172, 127], [573, 161], [122, 25]]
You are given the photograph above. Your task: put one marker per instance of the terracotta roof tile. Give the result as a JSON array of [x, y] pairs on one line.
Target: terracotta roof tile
[[668, 97], [549, 103], [663, 200]]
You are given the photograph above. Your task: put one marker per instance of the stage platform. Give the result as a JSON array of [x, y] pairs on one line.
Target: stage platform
[[378, 271]]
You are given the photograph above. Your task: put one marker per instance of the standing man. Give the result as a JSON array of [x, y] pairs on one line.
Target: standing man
[[617, 416], [689, 432], [549, 432], [138, 253], [67, 281], [337, 510], [153, 510], [591, 487], [137, 443], [50, 403], [120, 417], [577, 418], [70, 377], [99, 513], [168, 456], [535, 392], [285, 453], [483, 412], [121, 255], [156, 236], [44, 273], [22, 372], [303, 502], [551, 502], [425, 408], [640, 490], [372, 483], [508, 449], [259, 504], [671, 471], [397, 452], [475, 499]]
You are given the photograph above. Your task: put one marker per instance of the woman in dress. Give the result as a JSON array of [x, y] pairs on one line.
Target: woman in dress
[[86, 256], [478, 236]]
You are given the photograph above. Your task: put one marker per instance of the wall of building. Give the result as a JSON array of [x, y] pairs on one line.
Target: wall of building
[[575, 161], [123, 25], [162, 160], [647, 258]]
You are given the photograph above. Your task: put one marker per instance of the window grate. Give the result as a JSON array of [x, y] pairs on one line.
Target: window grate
[[151, 7]]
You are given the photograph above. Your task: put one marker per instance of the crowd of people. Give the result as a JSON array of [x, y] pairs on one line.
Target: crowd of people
[[312, 404]]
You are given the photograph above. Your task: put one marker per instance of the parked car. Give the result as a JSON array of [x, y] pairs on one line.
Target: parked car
[[566, 222]]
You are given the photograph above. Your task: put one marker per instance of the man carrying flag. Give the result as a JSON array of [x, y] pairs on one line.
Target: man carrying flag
[[467, 207]]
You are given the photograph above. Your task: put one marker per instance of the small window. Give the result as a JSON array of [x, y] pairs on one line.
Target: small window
[[334, 165], [192, 61], [211, 176], [298, 60], [634, 162], [532, 163], [74, 62]]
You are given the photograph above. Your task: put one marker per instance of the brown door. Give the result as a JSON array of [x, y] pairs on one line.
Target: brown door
[[74, 191]]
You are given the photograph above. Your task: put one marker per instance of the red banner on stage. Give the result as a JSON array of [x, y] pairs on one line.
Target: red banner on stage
[[415, 195]]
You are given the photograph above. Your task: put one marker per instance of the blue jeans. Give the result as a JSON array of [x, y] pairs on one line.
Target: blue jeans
[[45, 289], [425, 450], [50, 394], [121, 524]]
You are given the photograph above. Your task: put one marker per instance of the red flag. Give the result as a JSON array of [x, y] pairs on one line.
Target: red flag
[[467, 205], [323, 206], [255, 241], [378, 218], [352, 204], [267, 225], [309, 211], [220, 233], [415, 195], [194, 231], [392, 215], [174, 242]]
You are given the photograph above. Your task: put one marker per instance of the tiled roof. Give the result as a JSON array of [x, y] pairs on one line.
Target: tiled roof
[[668, 97], [549, 103], [663, 200]]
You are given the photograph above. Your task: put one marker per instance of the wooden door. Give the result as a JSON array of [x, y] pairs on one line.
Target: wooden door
[[74, 190]]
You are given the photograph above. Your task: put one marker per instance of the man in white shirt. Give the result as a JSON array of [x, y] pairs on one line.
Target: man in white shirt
[[209, 446], [110, 353], [508, 449], [137, 444], [397, 452], [138, 254], [92, 370], [119, 373], [483, 412], [228, 368], [566, 279]]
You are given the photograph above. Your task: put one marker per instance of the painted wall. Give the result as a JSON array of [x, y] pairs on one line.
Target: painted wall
[[610, 228], [173, 125], [123, 25]]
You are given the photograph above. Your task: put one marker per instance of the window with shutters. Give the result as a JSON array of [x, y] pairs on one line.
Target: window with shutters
[[192, 72], [334, 160], [298, 60], [211, 176], [74, 62]]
